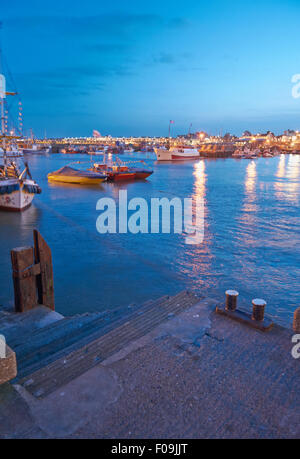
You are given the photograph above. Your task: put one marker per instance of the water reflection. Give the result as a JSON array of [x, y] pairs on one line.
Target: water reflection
[[196, 262], [20, 220], [293, 167], [250, 188], [251, 176], [287, 186], [200, 179], [75, 186], [281, 167], [248, 219]]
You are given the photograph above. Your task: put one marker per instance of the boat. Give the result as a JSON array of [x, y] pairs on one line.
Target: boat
[[75, 176], [37, 150], [120, 171], [17, 189], [12, 152], [71, 151], [175, 153]]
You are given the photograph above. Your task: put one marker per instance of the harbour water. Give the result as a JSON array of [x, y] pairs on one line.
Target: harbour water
[[251, 241]]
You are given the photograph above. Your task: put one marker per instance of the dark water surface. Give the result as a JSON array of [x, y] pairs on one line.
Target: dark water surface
[[251, 243]]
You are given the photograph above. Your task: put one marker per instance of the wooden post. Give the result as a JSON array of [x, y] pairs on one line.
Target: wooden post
[[22, 260], [33, 275], [296, 322], [43, 257]]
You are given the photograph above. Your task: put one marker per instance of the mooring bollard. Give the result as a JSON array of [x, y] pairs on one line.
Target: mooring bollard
[[258, 309], [296, 322], [255, 320], [231, 300]]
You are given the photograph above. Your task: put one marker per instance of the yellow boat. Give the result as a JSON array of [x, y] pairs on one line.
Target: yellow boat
[[70, 175]]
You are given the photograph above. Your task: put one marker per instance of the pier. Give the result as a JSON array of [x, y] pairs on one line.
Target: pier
[[172, 367]]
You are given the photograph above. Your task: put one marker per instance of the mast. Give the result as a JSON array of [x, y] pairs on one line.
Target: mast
[[171, 122], [2, 98]]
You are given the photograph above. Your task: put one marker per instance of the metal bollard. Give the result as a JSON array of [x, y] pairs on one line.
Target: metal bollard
[[258, 309], [296, 323], [231, 300]]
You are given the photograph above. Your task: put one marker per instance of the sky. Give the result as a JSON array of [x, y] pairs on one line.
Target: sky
[[126, 68]]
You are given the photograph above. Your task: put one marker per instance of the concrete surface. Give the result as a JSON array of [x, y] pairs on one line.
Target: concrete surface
[[198, 375]]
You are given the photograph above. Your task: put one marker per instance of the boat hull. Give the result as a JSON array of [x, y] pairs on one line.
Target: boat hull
[[184, 157], [17, 201], [162, 154], [75, 180], [36, 152], [143, 175], [129, 176], [121, 177]]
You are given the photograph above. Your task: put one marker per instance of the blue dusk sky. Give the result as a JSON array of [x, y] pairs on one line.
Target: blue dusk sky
[[128, 67]]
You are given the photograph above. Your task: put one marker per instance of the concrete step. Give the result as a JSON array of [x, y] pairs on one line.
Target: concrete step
[[68, 335], [64, 369], [17, 327]]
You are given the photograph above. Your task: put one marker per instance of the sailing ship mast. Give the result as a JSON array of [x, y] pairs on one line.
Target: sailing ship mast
[[17, 190], [2, 98], [3, 94]]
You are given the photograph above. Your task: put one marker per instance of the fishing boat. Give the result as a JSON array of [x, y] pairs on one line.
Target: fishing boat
[[75, 176], [17, 189], [119, 171], [175, 153], [12, 152], [37, 150]]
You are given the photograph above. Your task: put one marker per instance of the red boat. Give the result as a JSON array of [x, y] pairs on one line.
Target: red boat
[[122, 172]]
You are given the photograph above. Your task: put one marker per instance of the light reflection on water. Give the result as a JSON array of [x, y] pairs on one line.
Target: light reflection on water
[[251, 240]]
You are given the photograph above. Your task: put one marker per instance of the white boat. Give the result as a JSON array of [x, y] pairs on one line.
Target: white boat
[[37, 150], [16, 190], [176, 153], [14, 152]]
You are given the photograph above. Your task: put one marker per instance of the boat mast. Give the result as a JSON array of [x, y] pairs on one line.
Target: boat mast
[[3, 134], [3, 95]]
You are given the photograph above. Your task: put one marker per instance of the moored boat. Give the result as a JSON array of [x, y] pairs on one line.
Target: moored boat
[[16, 190], [122, 172], [37, 150], [175, 153], [75, 176]]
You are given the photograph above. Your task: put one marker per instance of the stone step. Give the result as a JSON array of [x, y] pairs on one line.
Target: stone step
[[63, 370]]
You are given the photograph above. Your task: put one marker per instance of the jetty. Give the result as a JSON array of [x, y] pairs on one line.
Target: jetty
[[182, 366]]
